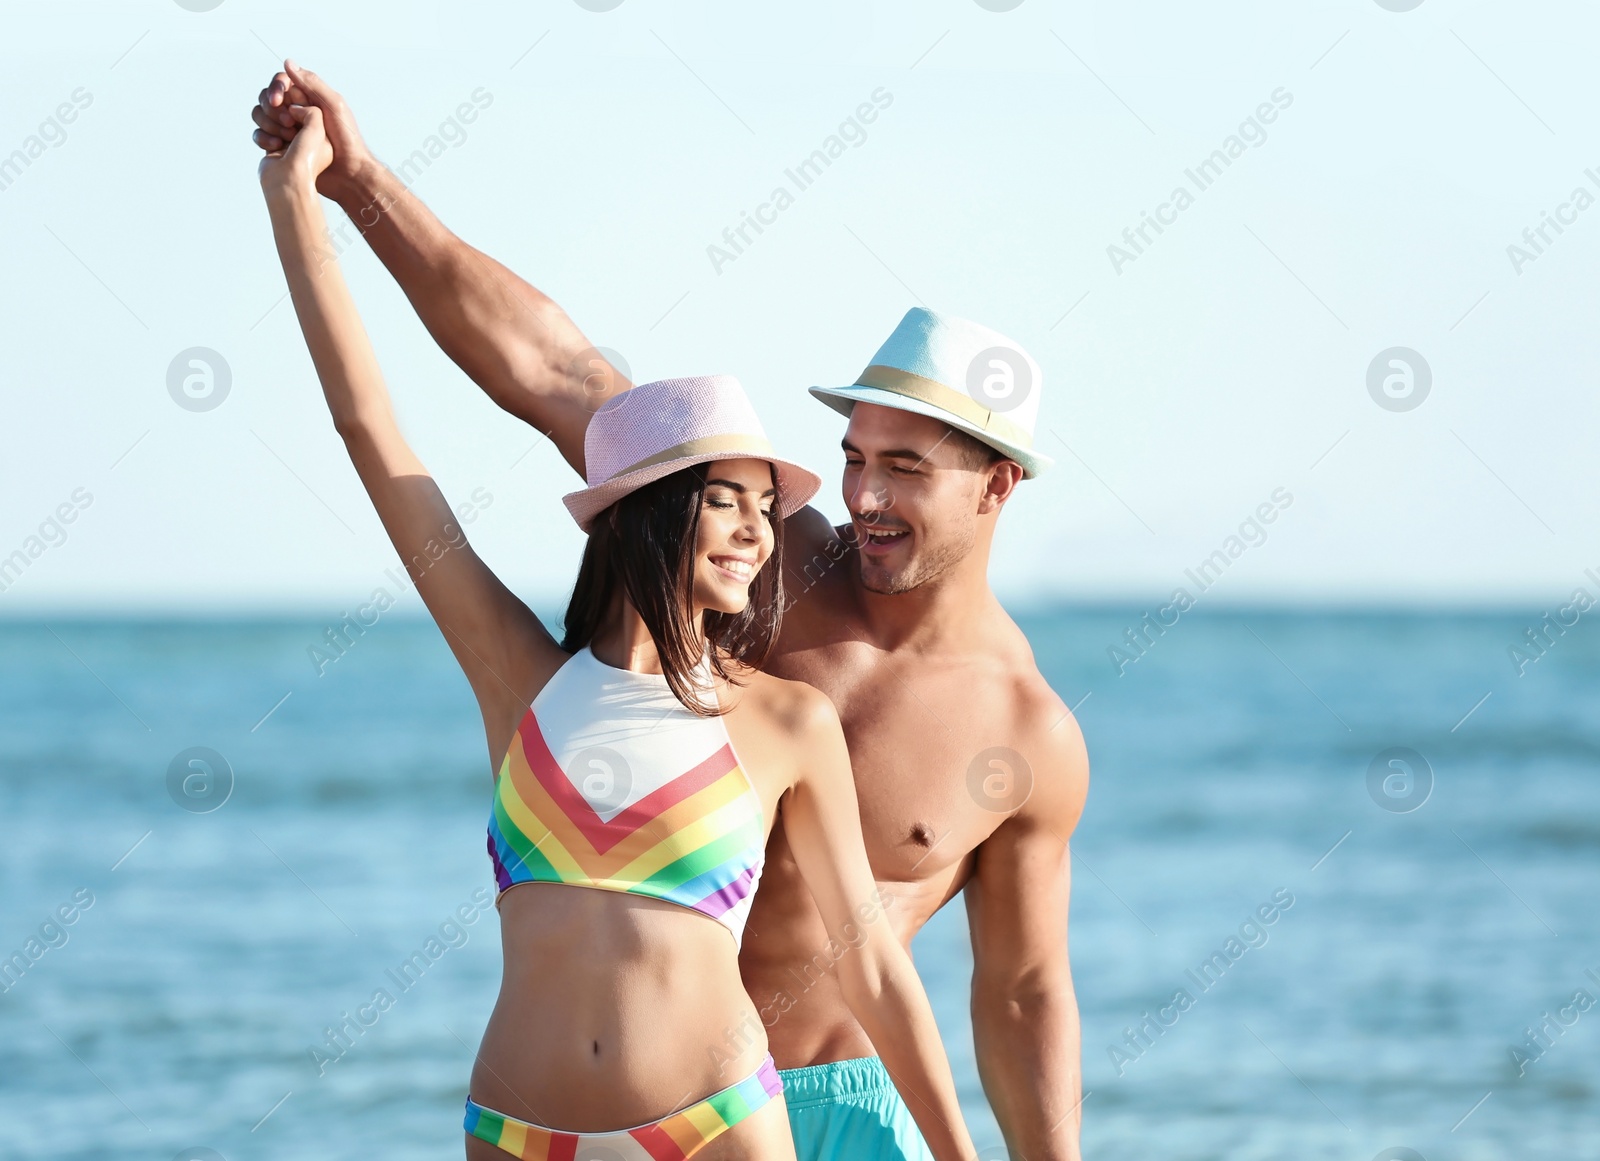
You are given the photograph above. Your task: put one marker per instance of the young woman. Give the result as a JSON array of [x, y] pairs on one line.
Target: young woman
[[643, 758]]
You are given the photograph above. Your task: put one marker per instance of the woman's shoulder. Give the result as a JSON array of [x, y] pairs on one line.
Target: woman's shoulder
[[797, 708]]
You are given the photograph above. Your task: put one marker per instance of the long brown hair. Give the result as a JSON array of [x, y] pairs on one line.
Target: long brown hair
[[644, 547]]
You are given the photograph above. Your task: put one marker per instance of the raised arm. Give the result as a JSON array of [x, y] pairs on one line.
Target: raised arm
[[510, 339], [1024, 1012], [876, 977], [500, 644]]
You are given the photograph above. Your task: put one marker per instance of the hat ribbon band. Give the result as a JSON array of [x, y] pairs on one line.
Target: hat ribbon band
[[755, 446], [946, 399]]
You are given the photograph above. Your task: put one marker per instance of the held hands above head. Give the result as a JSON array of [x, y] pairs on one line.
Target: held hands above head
[[533, 359], [278, 125], [307, 156]]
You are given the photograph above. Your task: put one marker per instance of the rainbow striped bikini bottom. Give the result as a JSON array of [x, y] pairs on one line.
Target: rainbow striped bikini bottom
[[675, 1137]]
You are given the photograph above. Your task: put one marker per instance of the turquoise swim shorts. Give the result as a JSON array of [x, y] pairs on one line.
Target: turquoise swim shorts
[[850, 1109]]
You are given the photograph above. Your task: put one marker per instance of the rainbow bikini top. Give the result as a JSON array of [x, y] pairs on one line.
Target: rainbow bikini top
[[612, 783]]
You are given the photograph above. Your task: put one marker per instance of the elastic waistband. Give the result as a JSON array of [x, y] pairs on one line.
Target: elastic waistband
[[818, 1084]]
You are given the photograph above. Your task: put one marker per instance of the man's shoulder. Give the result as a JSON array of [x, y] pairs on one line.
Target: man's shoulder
[[1045, 732], [1038, 708], [1006, 654], [818, 563], [806, 531], [812, 546]]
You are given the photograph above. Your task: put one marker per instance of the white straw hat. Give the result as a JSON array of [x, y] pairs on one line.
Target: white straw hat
[[646, 433]]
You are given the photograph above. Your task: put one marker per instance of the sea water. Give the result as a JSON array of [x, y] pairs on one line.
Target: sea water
[[1334, 891]]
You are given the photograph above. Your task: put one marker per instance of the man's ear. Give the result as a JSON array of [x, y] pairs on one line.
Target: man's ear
[[1003, 478]]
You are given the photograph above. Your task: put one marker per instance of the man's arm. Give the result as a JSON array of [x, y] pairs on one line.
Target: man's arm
[[512, 340], [1024, 1011]]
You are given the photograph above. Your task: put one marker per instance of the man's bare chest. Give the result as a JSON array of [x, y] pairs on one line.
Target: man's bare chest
[[914, 734]]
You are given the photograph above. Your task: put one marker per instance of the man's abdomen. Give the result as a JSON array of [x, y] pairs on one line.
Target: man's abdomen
[[790, 961]]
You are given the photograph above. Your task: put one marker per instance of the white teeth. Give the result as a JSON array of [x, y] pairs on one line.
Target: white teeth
[[739, 568]]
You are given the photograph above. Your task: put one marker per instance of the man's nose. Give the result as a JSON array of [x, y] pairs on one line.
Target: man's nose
[[871, 497]]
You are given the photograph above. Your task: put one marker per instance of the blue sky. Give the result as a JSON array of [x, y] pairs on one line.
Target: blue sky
[[1226, 360]]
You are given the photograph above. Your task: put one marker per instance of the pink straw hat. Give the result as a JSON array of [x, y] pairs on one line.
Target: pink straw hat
[[655, 429]]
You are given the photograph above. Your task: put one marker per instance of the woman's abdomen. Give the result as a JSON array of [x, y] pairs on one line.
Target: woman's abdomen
[[614, 1009]]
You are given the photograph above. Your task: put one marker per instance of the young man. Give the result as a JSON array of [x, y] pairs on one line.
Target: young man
[[971, 772]]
